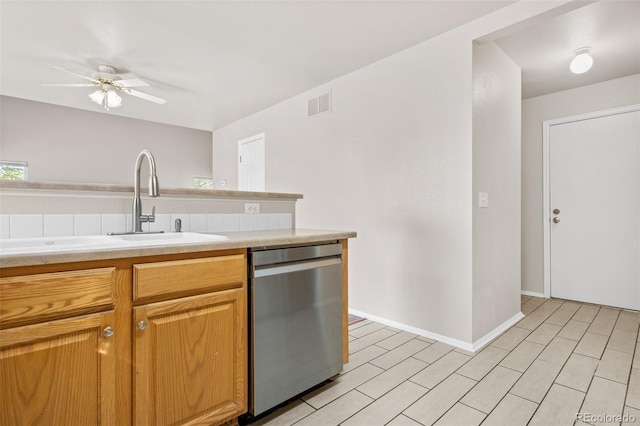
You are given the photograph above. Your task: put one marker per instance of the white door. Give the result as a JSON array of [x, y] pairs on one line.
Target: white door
[[594, 204], [251, 170]]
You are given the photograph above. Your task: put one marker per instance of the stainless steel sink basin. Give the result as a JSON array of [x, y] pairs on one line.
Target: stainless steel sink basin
[[169, 238]]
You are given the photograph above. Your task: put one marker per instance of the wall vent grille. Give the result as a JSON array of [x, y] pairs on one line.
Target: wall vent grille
[[319, 105]]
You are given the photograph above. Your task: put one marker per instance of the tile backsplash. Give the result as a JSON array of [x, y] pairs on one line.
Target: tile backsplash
[[58, 225]]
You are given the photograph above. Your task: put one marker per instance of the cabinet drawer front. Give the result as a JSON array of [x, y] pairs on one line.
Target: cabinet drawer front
[[55, 295], [207, 274]]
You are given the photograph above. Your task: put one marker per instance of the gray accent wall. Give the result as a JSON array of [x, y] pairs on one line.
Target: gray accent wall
[[64, 144]]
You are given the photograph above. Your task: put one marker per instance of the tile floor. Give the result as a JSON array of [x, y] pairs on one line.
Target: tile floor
[[562, 359]]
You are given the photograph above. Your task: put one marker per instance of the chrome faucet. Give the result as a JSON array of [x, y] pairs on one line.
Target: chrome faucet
[[138, 217]]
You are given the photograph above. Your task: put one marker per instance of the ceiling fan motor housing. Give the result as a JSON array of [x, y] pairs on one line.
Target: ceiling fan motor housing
[[106, 72]]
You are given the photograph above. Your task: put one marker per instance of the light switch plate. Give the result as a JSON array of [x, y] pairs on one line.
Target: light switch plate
[[483, 200]]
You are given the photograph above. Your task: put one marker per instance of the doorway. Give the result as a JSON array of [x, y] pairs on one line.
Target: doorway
[[251, 159], [592, 208]]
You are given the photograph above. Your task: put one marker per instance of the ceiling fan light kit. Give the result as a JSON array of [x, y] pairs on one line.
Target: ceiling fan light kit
[[106, 98], [109, 83]]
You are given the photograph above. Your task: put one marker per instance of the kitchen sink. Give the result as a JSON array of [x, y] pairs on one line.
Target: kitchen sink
[[47, 244], [169, 238], [95, 242]]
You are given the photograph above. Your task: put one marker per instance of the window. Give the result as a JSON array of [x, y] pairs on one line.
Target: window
[[13, 170], [202, 183]]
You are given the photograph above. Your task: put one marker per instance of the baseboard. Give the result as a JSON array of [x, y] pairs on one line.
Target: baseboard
[[471, 347], [531, 293], [478, 344], [420, 332]]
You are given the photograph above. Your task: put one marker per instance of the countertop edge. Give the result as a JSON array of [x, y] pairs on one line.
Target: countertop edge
[[101, 187], [254, 239]]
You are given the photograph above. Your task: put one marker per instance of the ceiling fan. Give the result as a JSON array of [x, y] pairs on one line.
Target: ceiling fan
[[109, 83]]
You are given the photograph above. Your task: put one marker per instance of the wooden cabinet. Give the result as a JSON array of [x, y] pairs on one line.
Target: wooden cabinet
[[190, 360], [60, 371], [190, 353], [143, 341]]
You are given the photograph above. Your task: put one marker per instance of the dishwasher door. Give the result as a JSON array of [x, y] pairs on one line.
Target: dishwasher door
[[296, 330]]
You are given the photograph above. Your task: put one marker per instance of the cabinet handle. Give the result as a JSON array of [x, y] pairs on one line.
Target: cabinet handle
[[142, 325], [108, 331]]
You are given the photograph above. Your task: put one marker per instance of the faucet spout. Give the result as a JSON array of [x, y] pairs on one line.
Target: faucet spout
[[154, 190]]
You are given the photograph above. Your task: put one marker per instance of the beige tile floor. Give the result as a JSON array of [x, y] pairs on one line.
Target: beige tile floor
[[562, 360]]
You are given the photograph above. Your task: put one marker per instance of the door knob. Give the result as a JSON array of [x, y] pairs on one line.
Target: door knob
[[556, 220], [556, 211]]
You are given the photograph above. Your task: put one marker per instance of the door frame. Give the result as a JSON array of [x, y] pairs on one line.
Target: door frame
[[546, 192]]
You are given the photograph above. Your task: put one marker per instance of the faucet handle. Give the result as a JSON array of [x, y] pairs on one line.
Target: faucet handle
[[149, 217]]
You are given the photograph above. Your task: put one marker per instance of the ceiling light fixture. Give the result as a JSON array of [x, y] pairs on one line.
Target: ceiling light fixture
[[582, 62], [106, 97]]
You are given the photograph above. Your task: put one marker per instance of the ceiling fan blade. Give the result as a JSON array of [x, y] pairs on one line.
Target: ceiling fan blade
[[145, 96], [69, 84], [75, 73], [131, 82]]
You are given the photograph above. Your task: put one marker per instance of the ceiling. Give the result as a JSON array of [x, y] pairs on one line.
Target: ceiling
[[611, 28], [218, 61]]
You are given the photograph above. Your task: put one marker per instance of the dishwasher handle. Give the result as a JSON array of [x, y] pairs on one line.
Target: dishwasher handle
[[269, 270]]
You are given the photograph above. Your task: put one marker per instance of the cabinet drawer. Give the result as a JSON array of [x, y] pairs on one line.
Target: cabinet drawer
[[178, 276], [55, 295]]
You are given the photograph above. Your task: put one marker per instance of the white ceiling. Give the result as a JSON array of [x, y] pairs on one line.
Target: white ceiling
[[611, 28], [218, 61]]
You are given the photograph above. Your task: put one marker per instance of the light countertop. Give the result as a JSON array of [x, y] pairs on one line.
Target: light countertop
[[245, 239], [100, 187]]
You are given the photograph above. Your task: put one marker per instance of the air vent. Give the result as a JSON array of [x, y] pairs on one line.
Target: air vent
[[319, 105]]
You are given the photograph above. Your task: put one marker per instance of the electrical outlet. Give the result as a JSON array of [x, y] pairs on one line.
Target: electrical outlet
[[252, 208]]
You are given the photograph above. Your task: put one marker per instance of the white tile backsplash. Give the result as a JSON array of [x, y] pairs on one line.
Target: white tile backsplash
[[4, 226], [286, 221], [53, 225], [230, 222], [247, 222], [260, 222], [87, 224], [214, 223], [198, 223], [114, 223], [26, 226], [162, 223], [58, 225]]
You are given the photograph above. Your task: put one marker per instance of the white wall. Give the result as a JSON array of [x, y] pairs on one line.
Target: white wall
[[392, 161], [72, 145], [596, 97], [496, 171]]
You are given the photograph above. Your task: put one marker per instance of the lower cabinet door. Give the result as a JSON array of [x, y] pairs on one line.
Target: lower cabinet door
[[59, 372], [190, 358]]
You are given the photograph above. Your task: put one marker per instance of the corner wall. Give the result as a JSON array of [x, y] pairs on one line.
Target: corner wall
[[596, 97], [64, 144], [392, 161], [496, 171]]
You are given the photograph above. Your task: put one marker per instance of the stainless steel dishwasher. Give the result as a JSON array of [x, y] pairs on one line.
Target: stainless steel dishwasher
[[296, 321]]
